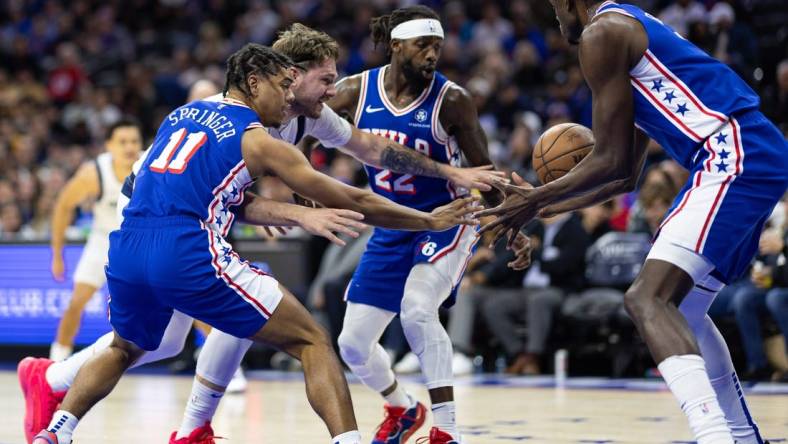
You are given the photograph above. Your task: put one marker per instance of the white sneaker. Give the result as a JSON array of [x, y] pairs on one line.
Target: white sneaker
[[461, 364], [238, 383], [408, 364]]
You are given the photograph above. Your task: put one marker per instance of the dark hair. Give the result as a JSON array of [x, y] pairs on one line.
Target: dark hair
[[253, 58], [305, 46], [123, 122], [381, 26]]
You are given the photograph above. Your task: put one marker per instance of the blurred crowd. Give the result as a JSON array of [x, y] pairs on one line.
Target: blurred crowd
[[70, 68]]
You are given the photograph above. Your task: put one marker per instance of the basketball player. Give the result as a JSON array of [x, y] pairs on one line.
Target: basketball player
[[645, 76], [411, 273], [171, 252], [316, 53], [99, 180]]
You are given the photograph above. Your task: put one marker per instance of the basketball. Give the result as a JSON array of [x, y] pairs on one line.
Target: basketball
[[559, 149]]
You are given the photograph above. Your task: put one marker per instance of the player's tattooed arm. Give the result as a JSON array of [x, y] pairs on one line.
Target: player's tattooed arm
[[264, 154], [459, 117], [85, 184]]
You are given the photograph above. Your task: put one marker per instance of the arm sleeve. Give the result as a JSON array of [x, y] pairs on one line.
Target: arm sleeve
[[330, 129]]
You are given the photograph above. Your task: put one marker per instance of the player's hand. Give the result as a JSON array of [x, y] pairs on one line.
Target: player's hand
[[519, 207], [522, 252], [458, 212], [481, 177], [328, 222], [58, 268]]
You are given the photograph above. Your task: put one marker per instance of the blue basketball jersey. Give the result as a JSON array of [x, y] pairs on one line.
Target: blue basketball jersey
[[416, 126], [195, 167], [682, 95]]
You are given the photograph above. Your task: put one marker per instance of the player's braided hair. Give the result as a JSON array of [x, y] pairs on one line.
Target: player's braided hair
[[253, 58], [307, 47], [381, 26]]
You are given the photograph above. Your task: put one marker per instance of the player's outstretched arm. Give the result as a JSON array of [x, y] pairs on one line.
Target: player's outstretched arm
[[607, 50], [83, 185], [382, 152], [324, 222], [263, 153]]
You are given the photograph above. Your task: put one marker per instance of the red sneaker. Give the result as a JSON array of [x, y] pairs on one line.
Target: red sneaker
[[399, 423], [200, 435], [41, 402], [437, 436], [45, 437]]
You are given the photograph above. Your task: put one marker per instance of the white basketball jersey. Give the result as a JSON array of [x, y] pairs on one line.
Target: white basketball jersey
[[105, 218]]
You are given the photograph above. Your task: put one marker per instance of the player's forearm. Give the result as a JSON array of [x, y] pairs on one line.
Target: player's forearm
[[258, 210], [61, 219], [381, 212], [384, 153], [594, 197]]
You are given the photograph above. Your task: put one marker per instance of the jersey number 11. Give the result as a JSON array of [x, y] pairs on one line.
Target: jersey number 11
[[165, 162]]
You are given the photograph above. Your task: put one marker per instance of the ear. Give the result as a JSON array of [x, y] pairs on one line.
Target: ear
[[395, 46], [253, 82]]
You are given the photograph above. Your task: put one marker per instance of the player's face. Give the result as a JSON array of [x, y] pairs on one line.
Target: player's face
[[419, 57], [271, 96], [125, 144], [313, 87], [568, 19]]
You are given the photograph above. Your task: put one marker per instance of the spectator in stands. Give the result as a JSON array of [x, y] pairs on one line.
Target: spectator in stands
[[766, 293], [556, 272], [681, 13], [775, 99]]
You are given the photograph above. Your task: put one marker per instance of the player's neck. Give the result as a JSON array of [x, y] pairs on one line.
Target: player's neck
[[121, 170], [398, 84]]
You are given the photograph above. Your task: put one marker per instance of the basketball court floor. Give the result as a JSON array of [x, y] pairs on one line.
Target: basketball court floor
[[145, 408]]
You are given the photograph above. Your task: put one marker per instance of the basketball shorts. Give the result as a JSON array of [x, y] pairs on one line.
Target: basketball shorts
[[90, 268], [157, 265], [735, 183], [380, 277]]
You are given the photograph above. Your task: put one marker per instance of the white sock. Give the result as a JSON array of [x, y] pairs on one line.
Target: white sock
[[351, 437], [61, 374], [687, 379], [200, 408], [59, 352], [399, 397], [63, 425], [443, 417]]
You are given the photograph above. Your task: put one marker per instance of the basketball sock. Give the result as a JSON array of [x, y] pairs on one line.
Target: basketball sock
[[61, 374], [425, 290], [443, 417], [59, 352], [400, 398], [351, 437], [200, 408], [687, 379], [63, 425], [719, 365]]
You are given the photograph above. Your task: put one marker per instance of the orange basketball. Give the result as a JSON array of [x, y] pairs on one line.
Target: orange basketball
[[559, 149]]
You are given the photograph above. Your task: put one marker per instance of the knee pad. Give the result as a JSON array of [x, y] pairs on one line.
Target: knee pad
[[352, 350]]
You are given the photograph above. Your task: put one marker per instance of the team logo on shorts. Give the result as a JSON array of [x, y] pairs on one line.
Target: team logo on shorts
[[428, 248], [421, 115]]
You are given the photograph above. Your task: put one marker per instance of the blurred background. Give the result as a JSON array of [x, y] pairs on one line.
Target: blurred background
[[70, 69]]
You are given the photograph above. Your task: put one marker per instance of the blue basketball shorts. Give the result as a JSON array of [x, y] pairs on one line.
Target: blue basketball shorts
[[380, 277], [157, 265], [734, 185]]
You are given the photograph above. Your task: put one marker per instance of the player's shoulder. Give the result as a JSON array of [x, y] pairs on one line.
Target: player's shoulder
[[350, 83], [456, 95], [610, 28]]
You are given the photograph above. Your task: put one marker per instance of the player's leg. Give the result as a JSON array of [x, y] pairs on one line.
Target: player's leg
[[68, 327], [652, 303], [719, 365], [219, 360], [291, 329], [44, 383]]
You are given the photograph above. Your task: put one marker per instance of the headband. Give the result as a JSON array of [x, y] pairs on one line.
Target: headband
[[417, 28]]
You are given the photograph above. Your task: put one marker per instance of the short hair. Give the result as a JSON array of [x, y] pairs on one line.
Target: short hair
[[305, 46], [253, 58], [381, 26], [123, 122]]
